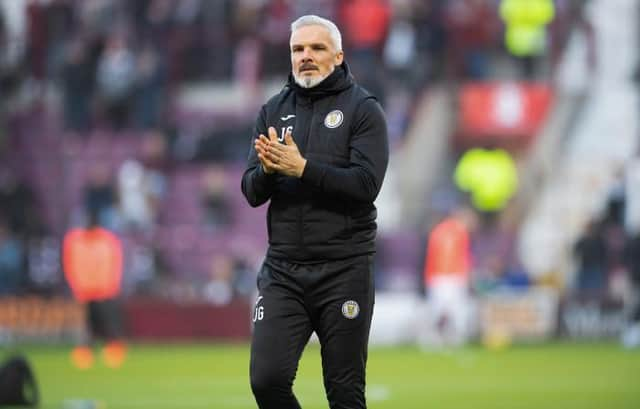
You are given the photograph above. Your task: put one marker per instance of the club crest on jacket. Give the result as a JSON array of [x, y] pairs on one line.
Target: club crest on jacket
[[333, 119]]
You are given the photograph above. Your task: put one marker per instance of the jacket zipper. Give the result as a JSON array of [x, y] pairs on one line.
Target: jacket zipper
[[306, 146]]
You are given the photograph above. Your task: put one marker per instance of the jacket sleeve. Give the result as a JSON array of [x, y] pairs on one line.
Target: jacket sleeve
[[369, 155], [257, 186]]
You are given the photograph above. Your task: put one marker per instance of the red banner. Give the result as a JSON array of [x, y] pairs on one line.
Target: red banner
[[502, 110]]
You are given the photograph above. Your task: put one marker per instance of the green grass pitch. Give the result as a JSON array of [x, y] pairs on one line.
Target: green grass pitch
[[559, 375]]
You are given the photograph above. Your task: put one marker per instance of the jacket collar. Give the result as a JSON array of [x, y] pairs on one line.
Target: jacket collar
[[339, 80]]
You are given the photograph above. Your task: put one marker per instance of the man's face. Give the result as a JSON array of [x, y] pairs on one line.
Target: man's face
[[313, 55]]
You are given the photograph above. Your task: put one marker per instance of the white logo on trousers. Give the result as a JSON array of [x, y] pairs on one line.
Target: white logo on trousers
[[258, 311]]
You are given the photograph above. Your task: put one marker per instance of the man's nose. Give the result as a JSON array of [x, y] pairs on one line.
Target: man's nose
[[306, 55]]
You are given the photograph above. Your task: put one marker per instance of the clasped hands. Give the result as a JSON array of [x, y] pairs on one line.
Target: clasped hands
[[276, 157]]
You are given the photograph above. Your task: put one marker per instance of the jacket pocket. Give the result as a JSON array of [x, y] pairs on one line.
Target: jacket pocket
[[327, 220], [282, 220]]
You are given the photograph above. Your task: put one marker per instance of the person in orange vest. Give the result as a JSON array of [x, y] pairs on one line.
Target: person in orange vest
[[448, 264], [92, 262]]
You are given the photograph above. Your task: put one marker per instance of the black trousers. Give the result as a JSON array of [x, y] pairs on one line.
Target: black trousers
[[105, 320], [335, 299]]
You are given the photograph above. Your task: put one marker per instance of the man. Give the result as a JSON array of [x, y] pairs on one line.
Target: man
[[92, 261], [320, 154], [631, 334], [448, 264]]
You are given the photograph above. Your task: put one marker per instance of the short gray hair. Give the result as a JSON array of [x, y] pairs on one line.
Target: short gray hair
[[313, 20]]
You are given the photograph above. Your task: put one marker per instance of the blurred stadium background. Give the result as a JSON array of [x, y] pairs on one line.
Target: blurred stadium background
[[141, 111]]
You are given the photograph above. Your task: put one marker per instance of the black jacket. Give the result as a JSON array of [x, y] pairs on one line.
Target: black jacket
[[328, 213]]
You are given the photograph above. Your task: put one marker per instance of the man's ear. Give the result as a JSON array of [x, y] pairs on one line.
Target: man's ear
[[339, 57]]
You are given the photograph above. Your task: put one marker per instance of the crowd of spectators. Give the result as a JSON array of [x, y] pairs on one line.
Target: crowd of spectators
[[119, 63], [607, 250], [120, 66]]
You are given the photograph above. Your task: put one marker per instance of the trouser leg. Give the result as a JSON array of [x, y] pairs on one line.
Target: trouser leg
[[343, 329], [281, 330]]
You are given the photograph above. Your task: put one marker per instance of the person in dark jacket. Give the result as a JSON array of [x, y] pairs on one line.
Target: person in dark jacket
[[319, 156], [631, 334]]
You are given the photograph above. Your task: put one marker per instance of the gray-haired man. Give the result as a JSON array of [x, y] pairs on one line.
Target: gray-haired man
[[319, 156]]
